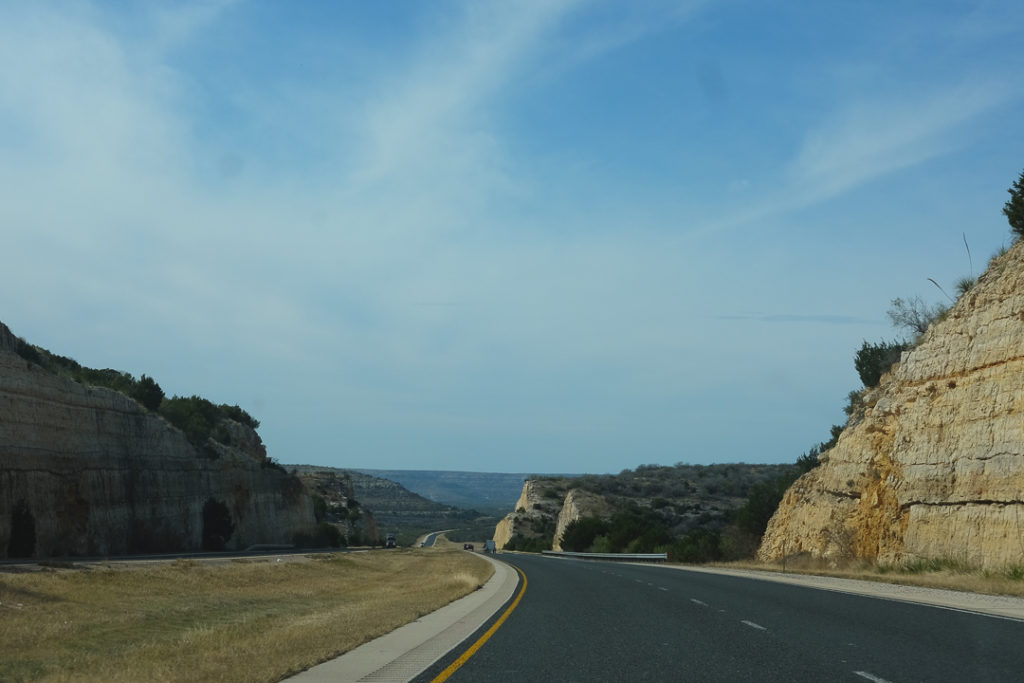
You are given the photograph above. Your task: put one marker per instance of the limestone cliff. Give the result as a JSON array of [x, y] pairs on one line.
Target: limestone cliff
[[88, 471], [579, 503], [935, 466], [536, 508]]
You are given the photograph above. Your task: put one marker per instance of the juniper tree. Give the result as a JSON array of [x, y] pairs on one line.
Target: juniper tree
[[1014, 208]]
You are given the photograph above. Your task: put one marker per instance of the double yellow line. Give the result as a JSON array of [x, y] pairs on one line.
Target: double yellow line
[[454, 666]]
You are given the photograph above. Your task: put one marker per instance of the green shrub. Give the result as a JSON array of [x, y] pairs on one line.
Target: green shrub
[[28, 352], [762, 503], [147, 392], [579, 534], [1014, 207], [874, 360], [698, 546], [529, 545], [200, 418], [855, 405]]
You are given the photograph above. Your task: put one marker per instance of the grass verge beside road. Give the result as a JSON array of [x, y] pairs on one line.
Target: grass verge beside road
[[934, 573], [246, 620]]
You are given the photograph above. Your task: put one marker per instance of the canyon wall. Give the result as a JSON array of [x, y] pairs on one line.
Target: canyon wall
[[934, 467], [88, 471]]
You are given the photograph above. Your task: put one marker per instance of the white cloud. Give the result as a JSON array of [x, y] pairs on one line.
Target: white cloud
[[865, 140]]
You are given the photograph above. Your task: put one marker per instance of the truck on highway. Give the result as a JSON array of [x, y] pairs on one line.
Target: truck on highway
[[490, 547]]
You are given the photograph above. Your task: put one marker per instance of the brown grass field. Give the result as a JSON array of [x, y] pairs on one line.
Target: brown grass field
[[242, 620]]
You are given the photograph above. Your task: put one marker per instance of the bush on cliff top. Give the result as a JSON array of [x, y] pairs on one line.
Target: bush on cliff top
[[199, 418]]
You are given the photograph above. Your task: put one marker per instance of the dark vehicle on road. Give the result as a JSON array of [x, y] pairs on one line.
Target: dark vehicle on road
[[390, 541], [467, 546]]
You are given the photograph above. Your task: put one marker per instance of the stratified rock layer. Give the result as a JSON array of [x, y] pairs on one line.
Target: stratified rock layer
[[935, 467], [88, 471]]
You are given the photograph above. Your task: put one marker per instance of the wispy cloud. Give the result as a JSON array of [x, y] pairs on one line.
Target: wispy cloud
[[822, 319], [865, 140]]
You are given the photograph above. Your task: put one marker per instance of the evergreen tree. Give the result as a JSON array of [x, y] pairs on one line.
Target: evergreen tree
[[147, 392], [1014, 208]]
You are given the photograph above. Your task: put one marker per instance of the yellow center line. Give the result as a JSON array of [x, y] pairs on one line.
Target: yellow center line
[[454, 666]]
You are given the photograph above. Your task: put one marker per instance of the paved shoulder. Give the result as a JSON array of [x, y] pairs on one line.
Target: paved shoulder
[[995, 605], [408, 650]]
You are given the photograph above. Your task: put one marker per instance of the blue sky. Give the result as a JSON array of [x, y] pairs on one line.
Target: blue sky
[[516, 236]]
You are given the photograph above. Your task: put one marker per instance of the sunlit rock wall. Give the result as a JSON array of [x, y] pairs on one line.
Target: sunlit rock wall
[[935, 467]]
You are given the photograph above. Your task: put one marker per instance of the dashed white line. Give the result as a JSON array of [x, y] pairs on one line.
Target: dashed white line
[[662, 588], [698, 602], [870, 677], [753, 625]]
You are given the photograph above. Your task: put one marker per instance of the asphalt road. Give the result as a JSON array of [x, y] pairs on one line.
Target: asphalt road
[[590, 621], [428, 541]]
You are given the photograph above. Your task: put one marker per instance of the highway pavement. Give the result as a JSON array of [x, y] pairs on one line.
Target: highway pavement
[[428, 540], [581, 620]]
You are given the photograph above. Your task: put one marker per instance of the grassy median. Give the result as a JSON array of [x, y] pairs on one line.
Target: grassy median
[[244, 620]]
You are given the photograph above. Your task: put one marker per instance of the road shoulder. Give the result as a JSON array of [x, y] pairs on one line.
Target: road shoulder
[[1004, 606], [409, 650]]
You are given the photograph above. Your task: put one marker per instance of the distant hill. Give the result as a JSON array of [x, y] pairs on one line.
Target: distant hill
[[688, 511], [395, 508], [484, 491]]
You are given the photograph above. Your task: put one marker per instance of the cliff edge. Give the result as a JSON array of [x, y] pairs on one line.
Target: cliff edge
[[934, 468], [88, 471]]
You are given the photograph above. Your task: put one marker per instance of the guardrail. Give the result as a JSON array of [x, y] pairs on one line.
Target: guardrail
[[622, 557]]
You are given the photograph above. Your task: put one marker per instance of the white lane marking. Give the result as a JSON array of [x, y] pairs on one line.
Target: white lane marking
[[870, 677], [698, 602], [753, 625], [662, 588]]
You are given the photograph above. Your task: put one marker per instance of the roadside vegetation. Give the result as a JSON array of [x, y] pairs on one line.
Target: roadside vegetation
[[198, 418], [243, 620]]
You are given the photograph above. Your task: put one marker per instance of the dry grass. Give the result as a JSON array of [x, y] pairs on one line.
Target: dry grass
[[253, 620], [947, 574]]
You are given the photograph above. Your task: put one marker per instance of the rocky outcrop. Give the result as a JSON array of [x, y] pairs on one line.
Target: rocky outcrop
[[579, 503], [335, 502], [88, 471], [395, 509], [537, 507], [935, 466]]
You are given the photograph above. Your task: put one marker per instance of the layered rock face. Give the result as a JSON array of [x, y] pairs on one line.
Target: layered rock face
[[578, 503], [935, 467], [532, 506], [88, 471]]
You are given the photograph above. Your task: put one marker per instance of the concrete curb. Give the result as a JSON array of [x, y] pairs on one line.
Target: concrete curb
[[409, 650]]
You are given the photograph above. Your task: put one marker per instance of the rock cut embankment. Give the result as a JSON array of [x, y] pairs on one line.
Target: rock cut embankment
[[88, 471], [935, 466]]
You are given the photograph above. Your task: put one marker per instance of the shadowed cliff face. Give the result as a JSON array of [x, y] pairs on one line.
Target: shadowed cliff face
[[88, 471], [935, 468]]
